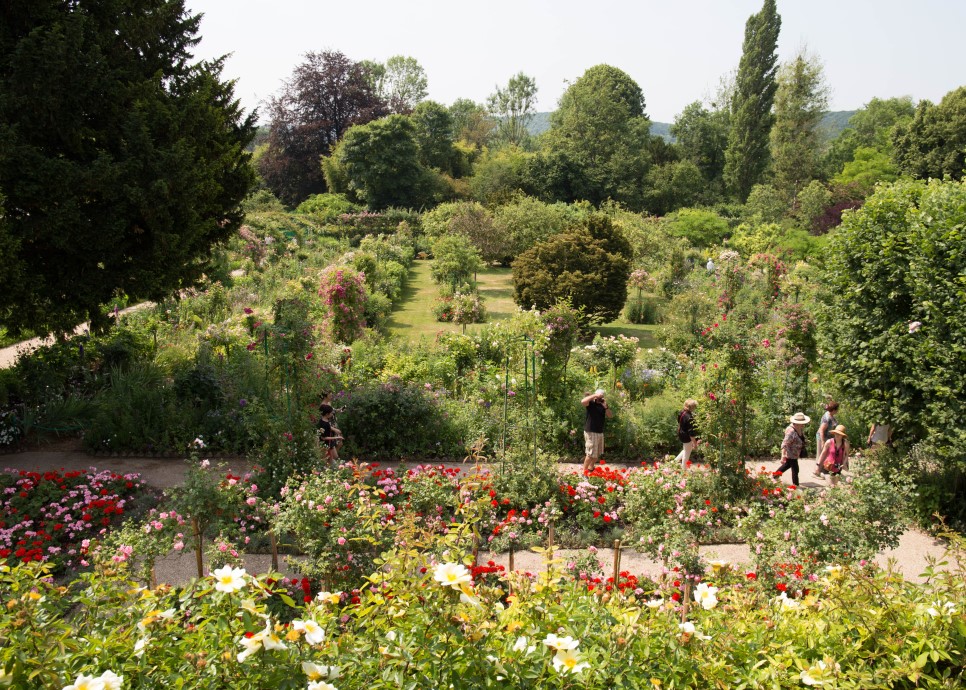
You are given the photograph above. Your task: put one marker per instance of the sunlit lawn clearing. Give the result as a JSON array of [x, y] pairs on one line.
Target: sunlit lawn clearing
[[413, 318]]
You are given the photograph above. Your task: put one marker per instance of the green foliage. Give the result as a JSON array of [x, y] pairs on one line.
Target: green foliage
[[868, 167], [400, 82], [455, 260], [513, 107], [702, 137], [673, 185], [870, 127], [397, 420], [327, 208], [434, 134], [765, 204], [499, 174], [588, 266], [343, 296], [747, 155], [700, 227], [893, 323], [601, 126], [524, 221], [811, 203], [134, 172], [382, 164], [933, 143], [800, 100]]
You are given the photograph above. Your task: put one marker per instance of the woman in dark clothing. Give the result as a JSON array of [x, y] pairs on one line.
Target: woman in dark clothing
[[686, 432], [793, 445]]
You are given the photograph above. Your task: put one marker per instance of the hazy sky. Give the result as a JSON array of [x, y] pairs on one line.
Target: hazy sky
[[676, 50]]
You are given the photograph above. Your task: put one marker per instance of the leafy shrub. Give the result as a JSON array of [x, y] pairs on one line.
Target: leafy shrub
[[327, 208], [395, 419]]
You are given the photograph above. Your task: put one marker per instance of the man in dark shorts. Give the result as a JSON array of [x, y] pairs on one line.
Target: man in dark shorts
[[597, 412]]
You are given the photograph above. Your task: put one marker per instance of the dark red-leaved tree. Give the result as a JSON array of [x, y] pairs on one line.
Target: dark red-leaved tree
[[327, 94]]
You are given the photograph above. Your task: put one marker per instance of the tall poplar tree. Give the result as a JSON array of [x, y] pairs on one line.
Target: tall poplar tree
[[122, 160], [747, 156]]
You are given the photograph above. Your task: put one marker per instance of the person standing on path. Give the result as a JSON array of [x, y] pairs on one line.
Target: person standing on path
[[686, 433], [834, 456], [825, 427], [597, 412], [793, 445]]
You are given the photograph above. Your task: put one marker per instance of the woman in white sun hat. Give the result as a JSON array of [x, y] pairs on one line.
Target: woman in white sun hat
[[793, 445]]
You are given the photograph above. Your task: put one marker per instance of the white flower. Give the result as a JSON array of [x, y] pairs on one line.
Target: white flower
[[111, 680], [521, 645], [568, 661], [558, 643], [86, 683], [787, 604], [819, 673], [228, 579], [316, 672], [314, 634], [654, 603], [687, 629], [717, 565], [321, 685], [140, 645], [271, 640], [914, 326], [329, 597], [452, 574], [705, 595], [834, 571], [937, 609], [251, 645]]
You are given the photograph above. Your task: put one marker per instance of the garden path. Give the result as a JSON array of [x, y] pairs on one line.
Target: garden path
[[10, 355], [911, 557]]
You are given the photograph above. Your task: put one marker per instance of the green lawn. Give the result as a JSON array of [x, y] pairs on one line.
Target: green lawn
[[413, 318]]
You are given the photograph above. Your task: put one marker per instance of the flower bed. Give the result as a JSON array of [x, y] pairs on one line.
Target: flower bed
[[53, 516]]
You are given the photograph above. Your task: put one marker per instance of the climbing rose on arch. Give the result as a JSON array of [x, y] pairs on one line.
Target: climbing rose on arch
[[343, 293]]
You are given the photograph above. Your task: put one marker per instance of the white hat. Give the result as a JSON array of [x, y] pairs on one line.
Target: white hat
[[800, 418], [599, 391]]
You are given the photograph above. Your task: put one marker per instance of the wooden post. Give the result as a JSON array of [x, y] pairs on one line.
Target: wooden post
[[510, 563], [153, 581], [686, 600], [476, 550], [549, 546], [198, 555], [274, 542], [617, 559]]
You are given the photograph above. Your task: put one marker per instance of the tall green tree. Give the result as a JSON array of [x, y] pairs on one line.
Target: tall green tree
[[400, 81], [800, 101], [472, 122], [702, 137], [747, 155], [380, 163], [327, 94], [933, 143], [601, 126], [514, 106], [434, 134], [122, 161]]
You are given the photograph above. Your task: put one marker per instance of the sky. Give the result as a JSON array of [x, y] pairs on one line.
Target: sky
[[676, 50]]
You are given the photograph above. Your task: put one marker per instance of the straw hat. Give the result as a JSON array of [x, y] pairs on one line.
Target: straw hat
[[799, 418], [839, 431]]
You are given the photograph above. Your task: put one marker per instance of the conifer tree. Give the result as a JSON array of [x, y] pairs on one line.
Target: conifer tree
[[122, 162], [747, 156]]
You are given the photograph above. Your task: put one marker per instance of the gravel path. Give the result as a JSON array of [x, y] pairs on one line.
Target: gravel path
[[915, 551]]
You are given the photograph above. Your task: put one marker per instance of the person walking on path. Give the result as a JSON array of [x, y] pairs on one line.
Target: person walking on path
[[597, 412], [880, 435], [329, 436], [825, 427], [686, 432], [834, 456], [793, 445]]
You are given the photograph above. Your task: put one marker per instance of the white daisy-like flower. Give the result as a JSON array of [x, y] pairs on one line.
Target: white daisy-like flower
[[228, 579], [688, 630], [654, 603], [704, 594], [111, 680], [819, 673], [452, 574], [568, 661], [314, 634], [558, 643], [86, 683]]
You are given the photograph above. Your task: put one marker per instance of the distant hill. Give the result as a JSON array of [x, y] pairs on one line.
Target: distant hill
[[832, 125]]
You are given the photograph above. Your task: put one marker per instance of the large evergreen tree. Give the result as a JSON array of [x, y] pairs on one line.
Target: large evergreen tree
[[121, 161], [746, 158]]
